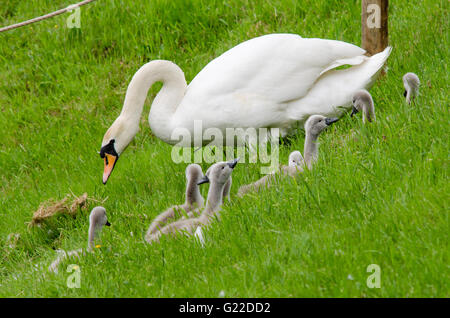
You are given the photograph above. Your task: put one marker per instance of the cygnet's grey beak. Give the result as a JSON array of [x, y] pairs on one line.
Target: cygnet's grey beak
[[107, 223], [405, 93], [205, 179], [233, 163], [329, 121], [354, 111]]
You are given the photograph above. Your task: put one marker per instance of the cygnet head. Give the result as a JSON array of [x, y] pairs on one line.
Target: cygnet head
[[219, 173], [98, 218], [317, 123], [194, 172], [362, 101], [295, 159], [193, 175], [411, 83]]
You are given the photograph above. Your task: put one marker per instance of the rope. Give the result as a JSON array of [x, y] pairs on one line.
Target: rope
[[47, 16]]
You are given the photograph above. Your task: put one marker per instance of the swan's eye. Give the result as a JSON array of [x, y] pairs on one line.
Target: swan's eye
[[223, 167]]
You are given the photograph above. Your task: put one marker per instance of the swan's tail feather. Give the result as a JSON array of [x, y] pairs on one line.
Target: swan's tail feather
[[356, 60], [375, 64]]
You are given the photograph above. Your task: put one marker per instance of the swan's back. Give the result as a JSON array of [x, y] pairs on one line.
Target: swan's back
[[276, 80], [278, 67]]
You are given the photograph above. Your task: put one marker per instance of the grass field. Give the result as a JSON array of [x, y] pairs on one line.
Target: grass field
[[379, 193]]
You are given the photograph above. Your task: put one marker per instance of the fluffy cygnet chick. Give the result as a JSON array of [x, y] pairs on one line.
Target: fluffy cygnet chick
[[411, 83], [194, 199], [226, 195], [227, 187], [362, 101], [313, 127], [97, 219], [219, 175], [294, 166]]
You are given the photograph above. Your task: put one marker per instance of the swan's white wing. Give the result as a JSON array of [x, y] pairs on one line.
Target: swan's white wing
[[276, 80], [357, 60], [335, 89], [275, 67]]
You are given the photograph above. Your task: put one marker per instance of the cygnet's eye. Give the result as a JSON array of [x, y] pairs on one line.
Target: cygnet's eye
[[354, 101], [223, 167]]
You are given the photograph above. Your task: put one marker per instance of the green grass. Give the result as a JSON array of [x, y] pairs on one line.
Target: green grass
[[379, 193]]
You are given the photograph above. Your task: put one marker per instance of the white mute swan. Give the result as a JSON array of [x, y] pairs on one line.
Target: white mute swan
[[362, 101], [97, 219], [313, 127], [218, 177], [276, 80], [411, 83]]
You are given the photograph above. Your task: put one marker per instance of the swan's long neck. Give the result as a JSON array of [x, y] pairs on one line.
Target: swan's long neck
[[408, 96], [226, 190], [165, 102], [214, 201], [193, 195], [310, 149], [91, 238], [368, 113]]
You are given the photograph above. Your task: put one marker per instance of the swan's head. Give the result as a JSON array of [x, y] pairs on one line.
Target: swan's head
[[295, 159], [98, 218], [362, 101], [194, 172], [411, 84], [219, 173], [193, 176], [116, 139], [317, 123]]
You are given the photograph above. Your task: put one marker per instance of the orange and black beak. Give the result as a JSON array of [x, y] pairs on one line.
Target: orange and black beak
[[110, 162], [110, 156]]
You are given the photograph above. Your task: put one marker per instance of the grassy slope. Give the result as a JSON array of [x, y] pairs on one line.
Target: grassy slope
[[379, 194]]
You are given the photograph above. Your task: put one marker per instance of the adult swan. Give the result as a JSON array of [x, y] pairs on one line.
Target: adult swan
[[276, 80]]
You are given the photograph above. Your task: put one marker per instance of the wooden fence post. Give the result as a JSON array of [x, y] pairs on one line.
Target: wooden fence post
[[374, 25]]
